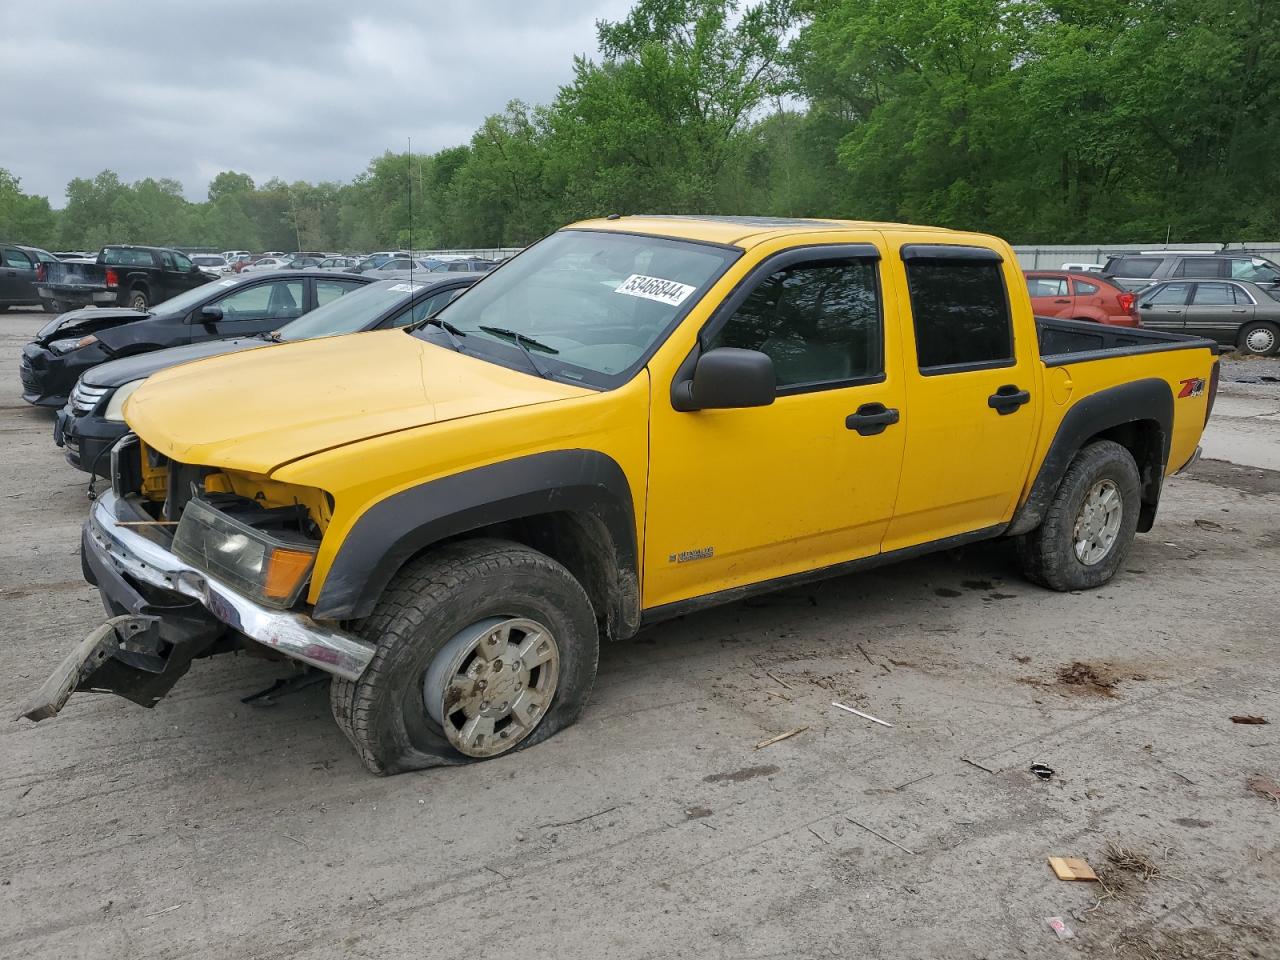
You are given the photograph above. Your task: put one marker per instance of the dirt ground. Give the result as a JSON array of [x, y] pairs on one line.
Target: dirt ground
[[655, 827]]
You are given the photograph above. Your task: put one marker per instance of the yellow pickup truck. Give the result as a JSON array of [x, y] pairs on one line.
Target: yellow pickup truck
[[634, 418]]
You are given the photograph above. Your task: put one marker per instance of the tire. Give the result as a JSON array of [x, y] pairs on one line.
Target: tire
[[52, 306], [432, 604], [1050, 554], [138, 299], [4, 308], [1261, 338]]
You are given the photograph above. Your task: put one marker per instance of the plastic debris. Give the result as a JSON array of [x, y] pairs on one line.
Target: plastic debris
[[1059, 926], [1071, 868], [1249, 719], [1041, 771], [864, 716]]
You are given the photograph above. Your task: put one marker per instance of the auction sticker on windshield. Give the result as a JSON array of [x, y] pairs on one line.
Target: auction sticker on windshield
[[655, 288]]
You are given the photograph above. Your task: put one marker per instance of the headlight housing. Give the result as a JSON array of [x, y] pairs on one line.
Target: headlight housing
[[115, 406], [71, 343], [269, 567]]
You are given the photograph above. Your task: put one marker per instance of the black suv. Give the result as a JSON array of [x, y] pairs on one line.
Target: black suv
[[18, 263], [1133, 271]]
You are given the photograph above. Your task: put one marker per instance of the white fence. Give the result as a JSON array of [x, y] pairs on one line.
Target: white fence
[[1052, 257]]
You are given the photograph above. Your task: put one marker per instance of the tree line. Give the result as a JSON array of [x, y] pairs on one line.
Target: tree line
[[1044, 121]]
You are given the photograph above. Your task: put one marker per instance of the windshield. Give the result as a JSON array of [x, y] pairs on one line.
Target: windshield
[[595, 302], [192, 298], [350, 313]]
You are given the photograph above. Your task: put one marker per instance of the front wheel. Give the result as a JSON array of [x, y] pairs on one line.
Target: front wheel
[[1261, 338], [483, 647], [1090, 525]]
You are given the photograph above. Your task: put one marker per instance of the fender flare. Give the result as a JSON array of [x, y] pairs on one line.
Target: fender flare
[[394, 529], [1148, 399]]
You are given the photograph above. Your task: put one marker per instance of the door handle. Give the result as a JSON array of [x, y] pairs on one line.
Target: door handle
[[1008, 399], [871, 419], [1239, 310], [1062, 300]]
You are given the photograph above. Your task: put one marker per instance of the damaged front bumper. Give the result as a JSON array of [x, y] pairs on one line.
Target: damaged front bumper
[[165, 613]]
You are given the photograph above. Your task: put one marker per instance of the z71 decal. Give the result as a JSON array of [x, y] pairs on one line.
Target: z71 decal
[[1192, 387]]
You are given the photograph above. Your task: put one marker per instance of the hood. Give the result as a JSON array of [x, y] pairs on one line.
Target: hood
[[86, 321], [260, 409], [116, 373]]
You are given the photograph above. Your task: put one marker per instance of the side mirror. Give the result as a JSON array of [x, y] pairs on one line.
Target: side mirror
[[727, 378], [210, 314]]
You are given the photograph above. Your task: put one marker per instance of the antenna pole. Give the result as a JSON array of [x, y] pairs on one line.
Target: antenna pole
[[411, 210]]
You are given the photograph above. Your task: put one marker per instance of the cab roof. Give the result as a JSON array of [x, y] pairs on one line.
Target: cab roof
[[736, 231]]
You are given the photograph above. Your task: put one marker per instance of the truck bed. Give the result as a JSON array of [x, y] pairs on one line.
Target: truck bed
[[1073, 341]]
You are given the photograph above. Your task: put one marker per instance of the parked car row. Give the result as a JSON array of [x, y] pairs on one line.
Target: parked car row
[[1233, 312]]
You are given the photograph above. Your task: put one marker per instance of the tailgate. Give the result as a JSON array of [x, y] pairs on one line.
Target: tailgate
[[68, 277]]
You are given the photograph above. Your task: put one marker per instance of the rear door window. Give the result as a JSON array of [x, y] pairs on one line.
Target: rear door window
[[1086, 289], [1133, 266], [1201, 267], [1047, 286], [961, 314], [1213, 295], [329, 290]]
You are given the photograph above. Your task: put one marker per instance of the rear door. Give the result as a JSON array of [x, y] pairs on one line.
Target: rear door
[[1165, 308], [1050, 295], [1217, 310], [973, 403]]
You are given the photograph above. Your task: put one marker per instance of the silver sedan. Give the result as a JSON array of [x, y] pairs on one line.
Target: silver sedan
[[1233, 312]]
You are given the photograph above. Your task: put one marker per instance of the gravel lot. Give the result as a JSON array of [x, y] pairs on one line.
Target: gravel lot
[[654, 828]]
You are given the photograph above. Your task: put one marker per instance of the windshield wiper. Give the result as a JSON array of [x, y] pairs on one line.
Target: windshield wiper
[[524, 342], [453, 332]]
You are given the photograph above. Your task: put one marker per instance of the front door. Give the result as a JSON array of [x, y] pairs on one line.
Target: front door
[[1217, 310], [259, 308], [744, 496], [1165, 308], [972, 391]]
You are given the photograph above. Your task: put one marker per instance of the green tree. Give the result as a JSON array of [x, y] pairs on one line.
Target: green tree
[[24, 218]]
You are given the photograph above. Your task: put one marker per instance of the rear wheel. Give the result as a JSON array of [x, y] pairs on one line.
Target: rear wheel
[[138, 299], [1090, 525], [483, 647], [1261, 338], [52, 306]]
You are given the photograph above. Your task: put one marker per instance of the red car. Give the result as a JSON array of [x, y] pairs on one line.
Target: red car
[[1081, 296]]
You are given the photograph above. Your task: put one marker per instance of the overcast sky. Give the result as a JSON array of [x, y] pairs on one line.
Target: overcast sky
[[301, 89]]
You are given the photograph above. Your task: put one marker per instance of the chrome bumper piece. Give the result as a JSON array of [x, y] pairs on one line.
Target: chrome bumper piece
[[292, 634]]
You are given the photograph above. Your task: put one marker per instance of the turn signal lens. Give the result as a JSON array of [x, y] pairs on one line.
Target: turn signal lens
[[285, 572]]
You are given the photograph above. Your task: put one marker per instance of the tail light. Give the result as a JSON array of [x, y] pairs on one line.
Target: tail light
[[41, 272], [113, 279], [1213, 389], [1126, 301]]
